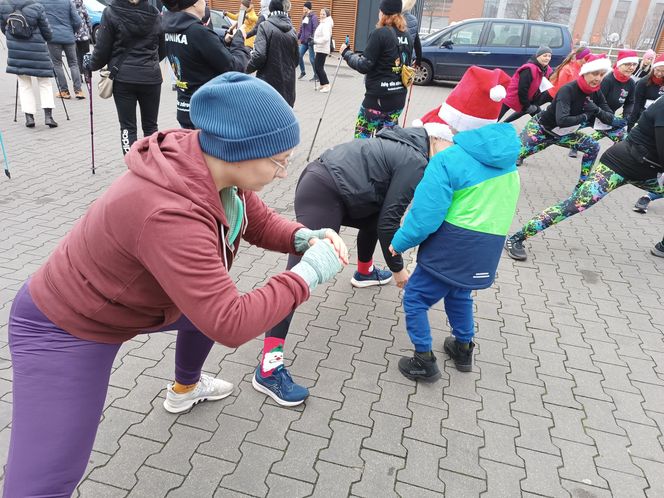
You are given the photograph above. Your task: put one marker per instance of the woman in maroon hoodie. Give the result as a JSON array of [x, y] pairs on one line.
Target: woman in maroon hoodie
[[153, 254]]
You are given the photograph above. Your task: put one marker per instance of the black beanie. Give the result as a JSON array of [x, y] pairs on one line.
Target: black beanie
[[308, 5], [177, 5], [276, 5], [389, 7]]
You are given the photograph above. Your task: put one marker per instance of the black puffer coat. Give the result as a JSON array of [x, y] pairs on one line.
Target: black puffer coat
[[275, 55], [131, 25], [28, 57]]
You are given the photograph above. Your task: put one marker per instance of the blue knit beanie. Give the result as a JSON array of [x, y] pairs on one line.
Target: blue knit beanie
[[242, 118]]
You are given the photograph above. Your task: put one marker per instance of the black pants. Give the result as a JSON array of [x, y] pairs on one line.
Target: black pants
[[512, 117], [318, 204], [126, 95], [82, 48], [319, 68]]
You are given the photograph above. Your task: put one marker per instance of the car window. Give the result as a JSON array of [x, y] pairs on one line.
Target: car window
[[505, 34], [468, 34], [551, 36]]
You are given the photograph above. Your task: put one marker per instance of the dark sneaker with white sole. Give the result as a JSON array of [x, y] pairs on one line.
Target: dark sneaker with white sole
[[461, 353], [280, 387], [658, 250], [573, 154], [641, 205], [515, 249], [420, 366], [376, 277]]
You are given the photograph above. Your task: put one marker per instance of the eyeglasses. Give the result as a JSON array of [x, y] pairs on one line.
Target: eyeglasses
[[281, 165]]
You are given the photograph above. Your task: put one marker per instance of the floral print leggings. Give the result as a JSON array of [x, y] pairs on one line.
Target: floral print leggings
[[534, 139], [371, 121], [601, 180]]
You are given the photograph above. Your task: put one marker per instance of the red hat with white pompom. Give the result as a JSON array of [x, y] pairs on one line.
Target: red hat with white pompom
[[474, 102], [627, 57], [596, 63], [659, 61]]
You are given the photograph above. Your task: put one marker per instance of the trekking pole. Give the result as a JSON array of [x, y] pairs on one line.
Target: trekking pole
[[4, 155], [60, 92], [405, 112], [88, 83], [16, 102], [336, 72]]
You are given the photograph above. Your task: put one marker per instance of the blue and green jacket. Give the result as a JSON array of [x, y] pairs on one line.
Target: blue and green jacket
[[463, 207]]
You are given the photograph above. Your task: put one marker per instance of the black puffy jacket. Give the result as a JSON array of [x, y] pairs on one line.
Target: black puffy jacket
[[275, 55], [379, 176], [28, 57], [134, 27]]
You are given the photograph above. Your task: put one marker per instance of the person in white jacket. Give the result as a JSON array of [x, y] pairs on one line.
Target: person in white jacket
[[322, 46]]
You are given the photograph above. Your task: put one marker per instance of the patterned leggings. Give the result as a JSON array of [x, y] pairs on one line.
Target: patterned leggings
[[535, 139], [371, 121], [601, 180], [615, 134]]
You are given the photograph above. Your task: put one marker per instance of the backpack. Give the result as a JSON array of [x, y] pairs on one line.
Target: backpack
[[17, 25]]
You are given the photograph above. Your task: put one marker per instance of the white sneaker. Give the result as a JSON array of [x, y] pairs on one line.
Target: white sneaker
[[207, 389], [324, 89]]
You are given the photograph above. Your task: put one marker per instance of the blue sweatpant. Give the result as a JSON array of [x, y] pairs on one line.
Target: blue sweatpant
[[422, 292]]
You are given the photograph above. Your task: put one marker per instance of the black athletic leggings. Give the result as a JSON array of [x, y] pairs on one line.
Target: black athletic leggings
[[319, 68], [318, 204], [126, 96]]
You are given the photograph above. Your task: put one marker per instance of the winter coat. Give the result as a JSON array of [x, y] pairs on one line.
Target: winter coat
[[276, 55], [28, 57], [463, 207], [414, 32], [645, 93], [307, 29], [570, 72], [379, 176], [618, 94], [134, 27], [197, 54], [323, 36], [378, 62], [83, 34], [567, 108], [524, 87], [63, 19], [153, 247], [641, 70], [250, 20]]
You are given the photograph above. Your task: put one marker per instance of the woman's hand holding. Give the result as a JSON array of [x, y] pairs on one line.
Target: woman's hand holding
[[338, 244]]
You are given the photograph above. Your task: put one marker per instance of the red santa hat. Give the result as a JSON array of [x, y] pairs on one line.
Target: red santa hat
[[595, 63], [627, 57], [435, 126], [659, 61]]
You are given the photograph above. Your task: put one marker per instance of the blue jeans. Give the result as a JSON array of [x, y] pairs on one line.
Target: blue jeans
[[303, 49], [653, 196], [422, 292]]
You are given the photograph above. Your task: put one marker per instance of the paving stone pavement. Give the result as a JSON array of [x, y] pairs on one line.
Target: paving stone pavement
[[566, 397]]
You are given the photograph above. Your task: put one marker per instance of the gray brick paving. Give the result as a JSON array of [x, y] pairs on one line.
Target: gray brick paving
[[566, 397]]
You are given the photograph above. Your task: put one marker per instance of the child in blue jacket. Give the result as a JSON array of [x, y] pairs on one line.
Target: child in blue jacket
[[461, 213]]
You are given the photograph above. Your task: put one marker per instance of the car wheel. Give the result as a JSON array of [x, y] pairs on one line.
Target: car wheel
[[95, 30], [424, 74]]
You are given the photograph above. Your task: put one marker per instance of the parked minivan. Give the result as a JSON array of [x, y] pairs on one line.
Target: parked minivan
[[489, 43]]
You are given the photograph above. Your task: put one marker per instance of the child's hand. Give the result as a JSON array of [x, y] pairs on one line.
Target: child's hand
[[392, 251], [401, 278]]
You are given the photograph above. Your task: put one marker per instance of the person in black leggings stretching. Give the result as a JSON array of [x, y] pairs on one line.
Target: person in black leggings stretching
[[365, 184]]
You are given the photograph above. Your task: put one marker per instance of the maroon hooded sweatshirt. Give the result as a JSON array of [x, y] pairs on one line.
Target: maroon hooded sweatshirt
[[150, 249]]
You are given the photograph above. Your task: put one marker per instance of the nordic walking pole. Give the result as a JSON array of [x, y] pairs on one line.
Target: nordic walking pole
[[405, 113], [4, 155], [60, 92], [336, 71], [88, 82], [16, 101]]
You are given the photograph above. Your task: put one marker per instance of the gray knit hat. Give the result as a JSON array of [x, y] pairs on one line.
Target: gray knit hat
[[543, 49]]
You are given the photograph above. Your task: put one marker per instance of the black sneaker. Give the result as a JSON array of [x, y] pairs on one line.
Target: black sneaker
[[658, 250], [302, 75], [519, 161], [573, 154], [462, 355], [515, 249], [641, 205], [418, 367]]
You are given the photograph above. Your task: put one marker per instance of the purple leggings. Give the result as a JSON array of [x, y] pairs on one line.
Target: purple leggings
[[59, 388]]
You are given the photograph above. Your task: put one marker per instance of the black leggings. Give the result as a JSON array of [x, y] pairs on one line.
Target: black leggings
[[512, 117], [319, 68], [126, 95], [318, 204]]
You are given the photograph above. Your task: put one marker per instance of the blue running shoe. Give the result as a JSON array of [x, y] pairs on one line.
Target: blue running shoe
[[376, 277], [280, 387]]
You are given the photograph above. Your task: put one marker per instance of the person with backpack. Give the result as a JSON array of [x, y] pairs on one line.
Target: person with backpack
[[130, 42], [388, 51], [413, 30], [305, 36], [26, 27], [64, 22], [323, 47], [82, 35], [275, 55], [196, 53]]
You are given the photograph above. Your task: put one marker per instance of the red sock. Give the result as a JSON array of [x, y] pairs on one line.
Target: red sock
[[365, 268], [273, 355]]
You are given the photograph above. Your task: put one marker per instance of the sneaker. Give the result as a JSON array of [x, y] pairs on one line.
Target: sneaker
[[64, 94], [418, 367], [302, 75], [376, 277], [324, 89], [207, 389], [280, 387], [641, 205], [79, 94], [515, 249], [519, 161], [573, 154], [658, 250], [463, 358]]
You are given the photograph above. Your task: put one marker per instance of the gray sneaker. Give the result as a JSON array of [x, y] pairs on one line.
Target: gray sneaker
[[658, 250], [515, 249], [641, 205], [207, 389]]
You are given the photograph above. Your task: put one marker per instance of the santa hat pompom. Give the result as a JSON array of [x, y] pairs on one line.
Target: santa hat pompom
[[497, 93], [417, 123]]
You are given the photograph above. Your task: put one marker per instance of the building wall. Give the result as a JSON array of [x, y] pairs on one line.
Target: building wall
[[465, 9]]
